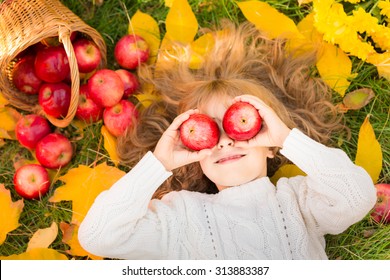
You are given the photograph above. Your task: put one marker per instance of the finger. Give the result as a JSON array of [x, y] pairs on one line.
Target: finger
[[177, 122], [255, 101]]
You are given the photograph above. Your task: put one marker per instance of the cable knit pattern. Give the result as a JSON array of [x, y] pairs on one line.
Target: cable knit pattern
[[253, 221]]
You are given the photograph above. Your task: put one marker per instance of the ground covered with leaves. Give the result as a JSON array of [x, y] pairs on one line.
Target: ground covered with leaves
[[355, 62]]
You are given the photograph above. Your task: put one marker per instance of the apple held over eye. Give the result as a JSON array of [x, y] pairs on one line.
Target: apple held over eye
[[381, 211], [31, 181], [131, 50], [54, 151], [199, 132], [87, 110], [51, 64], [119, 117], [241, 121], [105, 87], [24, 77], [30, 129], [87, 54], [54, 99], [130, 82]]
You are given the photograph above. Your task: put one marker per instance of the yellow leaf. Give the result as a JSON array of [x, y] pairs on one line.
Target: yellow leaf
[[8, 119], [69, 233], [335, 68], [82, 185], [3, 101], [181, 23], [300, 2], [369, 151], [287, 171], [9, 214], [382, 63], [357, 99], [42, 238], [37, 254], [311, 39], [79, 125], [168, 3], [268, 19], [169, 53], [110, 145], [145, 26], [147, 96], [199, 48], [4, 134]]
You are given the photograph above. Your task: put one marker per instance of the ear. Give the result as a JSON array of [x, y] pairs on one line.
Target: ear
[[271, 152]]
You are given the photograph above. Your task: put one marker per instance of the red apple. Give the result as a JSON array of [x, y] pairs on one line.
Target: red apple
[[87, 109], [55, 99], [105, 87], [73, 35], [24, 77], [54, 151], [199, 132], [381, 211], [31, 181], [130, 51], [241, 121], [87, 54], [119, 117], [30, 129], [129, 80], [51, 64]]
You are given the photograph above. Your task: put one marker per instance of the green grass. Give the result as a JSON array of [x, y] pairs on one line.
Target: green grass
[[364, 240]]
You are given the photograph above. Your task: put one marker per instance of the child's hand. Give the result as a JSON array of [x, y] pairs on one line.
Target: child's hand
[[273, 131], [169, 149]]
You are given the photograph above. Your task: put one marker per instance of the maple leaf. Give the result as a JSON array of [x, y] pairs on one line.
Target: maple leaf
[[37, 254], [8, 119], [42, 238], [9, 214], [3, 100], [82, 185], [37, 248], [69, 233]]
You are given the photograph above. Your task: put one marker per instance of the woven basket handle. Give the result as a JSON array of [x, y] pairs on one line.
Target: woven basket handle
[[64, 37]]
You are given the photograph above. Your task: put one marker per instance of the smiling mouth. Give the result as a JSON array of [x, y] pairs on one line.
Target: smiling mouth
[[229, 159]]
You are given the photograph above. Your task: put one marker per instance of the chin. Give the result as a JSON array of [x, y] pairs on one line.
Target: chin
[[233, 182]]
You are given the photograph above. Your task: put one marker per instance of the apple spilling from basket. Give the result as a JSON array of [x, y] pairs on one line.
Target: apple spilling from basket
[[43, 69]]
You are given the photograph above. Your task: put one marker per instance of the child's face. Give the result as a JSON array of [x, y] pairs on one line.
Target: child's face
[[231, 162]]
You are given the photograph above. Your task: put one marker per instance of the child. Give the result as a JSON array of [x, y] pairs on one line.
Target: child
[[219, 203]]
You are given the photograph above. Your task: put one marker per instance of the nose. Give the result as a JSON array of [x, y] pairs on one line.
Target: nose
[[224, 140]]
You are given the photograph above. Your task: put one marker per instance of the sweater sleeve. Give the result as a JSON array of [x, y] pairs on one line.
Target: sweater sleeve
[[336, 193], [120, 221]]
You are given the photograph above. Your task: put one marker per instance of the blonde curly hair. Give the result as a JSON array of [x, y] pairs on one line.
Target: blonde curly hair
[[241, 61]]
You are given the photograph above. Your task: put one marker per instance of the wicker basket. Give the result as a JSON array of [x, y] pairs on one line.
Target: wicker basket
[[24, 23]]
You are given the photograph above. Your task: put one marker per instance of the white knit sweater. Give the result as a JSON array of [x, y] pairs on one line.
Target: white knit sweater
[[253, 221]]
